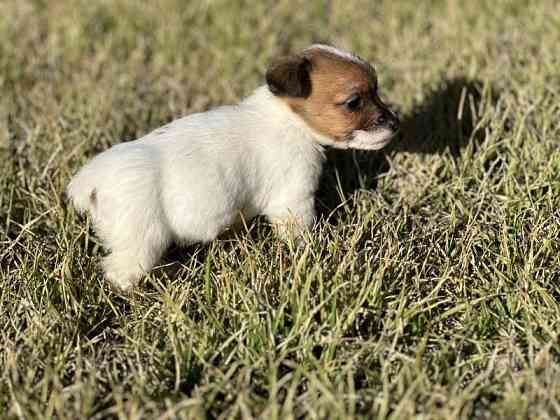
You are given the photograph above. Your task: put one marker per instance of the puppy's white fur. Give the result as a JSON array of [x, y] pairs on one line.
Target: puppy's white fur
[[370, 140], [192, 179]]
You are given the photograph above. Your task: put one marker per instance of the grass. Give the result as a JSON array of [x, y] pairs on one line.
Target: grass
[[430, 288]]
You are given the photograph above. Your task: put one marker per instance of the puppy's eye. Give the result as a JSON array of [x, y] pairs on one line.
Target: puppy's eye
[[354, 103]]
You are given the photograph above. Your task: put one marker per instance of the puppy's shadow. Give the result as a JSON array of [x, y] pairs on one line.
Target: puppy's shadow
[[179, 257], [445, 122]]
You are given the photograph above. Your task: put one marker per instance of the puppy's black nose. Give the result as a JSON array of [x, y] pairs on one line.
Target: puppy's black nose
[[394, 122], [389, 119]]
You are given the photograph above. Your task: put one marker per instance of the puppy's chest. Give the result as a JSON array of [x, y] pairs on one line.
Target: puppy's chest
[[279, 183], [290, 172]]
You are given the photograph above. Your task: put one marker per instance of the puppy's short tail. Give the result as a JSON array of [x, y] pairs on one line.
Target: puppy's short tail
[[82, 192]]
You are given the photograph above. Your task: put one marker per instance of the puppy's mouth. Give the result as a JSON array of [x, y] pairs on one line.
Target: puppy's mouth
[[374, 139]]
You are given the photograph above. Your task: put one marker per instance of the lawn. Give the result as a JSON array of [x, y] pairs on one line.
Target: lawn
[[430, 287]]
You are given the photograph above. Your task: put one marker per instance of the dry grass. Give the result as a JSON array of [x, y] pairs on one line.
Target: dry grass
[[431, 286]]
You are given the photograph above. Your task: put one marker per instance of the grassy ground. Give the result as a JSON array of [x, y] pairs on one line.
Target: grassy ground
[[431, 288]]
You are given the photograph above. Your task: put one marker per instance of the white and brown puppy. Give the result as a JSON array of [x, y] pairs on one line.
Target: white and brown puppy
[[194, 178]]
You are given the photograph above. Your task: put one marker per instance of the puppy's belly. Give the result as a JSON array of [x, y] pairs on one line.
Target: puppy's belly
[[202, 195], [204, 218]]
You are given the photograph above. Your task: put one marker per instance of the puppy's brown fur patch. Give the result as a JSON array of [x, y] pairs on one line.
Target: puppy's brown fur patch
[[335, 79]]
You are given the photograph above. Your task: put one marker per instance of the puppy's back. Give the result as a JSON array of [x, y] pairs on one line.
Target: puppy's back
[[106, 174]]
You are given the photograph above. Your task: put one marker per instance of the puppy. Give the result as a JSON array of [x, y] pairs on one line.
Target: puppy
[[192, 179]]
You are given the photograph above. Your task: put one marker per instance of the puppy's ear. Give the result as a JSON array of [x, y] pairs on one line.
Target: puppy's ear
[[290, 76]]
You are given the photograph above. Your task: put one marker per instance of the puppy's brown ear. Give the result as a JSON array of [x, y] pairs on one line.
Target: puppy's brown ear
[[290, 76]]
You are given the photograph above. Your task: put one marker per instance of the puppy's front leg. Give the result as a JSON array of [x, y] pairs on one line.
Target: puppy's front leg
[[292, 221]]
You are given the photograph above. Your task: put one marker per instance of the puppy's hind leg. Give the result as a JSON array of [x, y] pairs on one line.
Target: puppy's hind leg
[[134, 252]]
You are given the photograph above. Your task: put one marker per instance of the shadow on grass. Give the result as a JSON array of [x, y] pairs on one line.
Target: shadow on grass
[[177, 255], [444, 123]]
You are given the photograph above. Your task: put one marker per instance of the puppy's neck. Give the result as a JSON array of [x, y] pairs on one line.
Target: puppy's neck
[[271, 107]]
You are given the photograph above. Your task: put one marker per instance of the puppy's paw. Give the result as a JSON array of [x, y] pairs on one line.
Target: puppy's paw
[[121, 277], [292, 234], [123, 283]]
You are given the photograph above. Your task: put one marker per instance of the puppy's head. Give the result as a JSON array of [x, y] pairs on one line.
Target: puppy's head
[[336, 94]]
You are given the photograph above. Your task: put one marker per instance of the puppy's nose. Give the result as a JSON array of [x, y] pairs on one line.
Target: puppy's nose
[[394, 121], [390, 119]]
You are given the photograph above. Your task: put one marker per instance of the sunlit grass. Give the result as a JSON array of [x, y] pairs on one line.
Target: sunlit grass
[[430, 287]]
